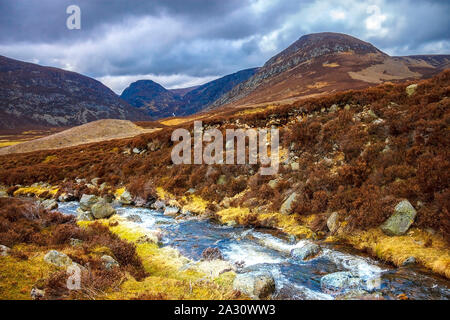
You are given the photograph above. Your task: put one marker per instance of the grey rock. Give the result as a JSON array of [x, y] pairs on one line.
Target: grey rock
[[287, 206], [134, 218], [305, 252], [87, 201], [57, 258], [171, 211], [409, 262], [4, 250], [49, 204], [109, 262], [158, 205], [126, 197], [84, 215], [102, 210], [411, 89], [256, 284], [339, 282], [333, 222], [400, 221]]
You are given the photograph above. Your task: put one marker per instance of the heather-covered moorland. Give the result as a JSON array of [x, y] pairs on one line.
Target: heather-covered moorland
[[353, 155]]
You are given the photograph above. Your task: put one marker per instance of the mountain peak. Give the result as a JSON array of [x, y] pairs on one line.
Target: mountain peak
[[319, 44]]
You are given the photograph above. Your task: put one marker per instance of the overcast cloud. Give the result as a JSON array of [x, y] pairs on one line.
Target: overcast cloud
[[181, 43]]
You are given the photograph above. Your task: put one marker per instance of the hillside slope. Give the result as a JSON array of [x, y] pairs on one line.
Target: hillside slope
[[327, 62], [95, 131], [36, 96]]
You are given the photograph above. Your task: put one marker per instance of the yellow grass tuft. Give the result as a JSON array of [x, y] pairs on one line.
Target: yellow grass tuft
[[431, 251]]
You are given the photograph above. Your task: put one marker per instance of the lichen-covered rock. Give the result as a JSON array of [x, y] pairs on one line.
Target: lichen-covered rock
[[49, 204], [87, 201], [411, 89], [287, 206], [102, 210], [400, 221], [305, 252], [339, 282], [109, 262], [333, 222], [126, 198], [84, 215], [256, 284], [57, 258], [212, 253], [4, 250]]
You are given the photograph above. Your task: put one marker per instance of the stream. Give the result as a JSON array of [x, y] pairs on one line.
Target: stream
[[268, 250]]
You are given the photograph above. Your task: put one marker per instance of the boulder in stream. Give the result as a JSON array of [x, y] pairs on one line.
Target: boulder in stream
[[212, 253], [87, 201], [305, 252], [102, 210], [256, 284], [339, 282]]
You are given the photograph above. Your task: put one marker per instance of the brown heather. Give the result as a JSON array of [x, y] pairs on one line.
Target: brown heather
[[372, 164]]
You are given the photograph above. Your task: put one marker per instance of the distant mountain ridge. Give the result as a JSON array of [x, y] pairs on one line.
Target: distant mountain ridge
[[158, 102], [327, 62], [33, 96]]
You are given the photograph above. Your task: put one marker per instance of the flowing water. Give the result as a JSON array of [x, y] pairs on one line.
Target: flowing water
[[265, 250]]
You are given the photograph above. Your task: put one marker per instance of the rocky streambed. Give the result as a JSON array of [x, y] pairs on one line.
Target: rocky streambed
[[269, 263]]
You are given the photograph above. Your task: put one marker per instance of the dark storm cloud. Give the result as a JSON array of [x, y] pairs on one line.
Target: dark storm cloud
[[185, 42]]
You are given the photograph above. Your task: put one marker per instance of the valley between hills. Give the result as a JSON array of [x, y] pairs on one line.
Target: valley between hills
[[359, 204]]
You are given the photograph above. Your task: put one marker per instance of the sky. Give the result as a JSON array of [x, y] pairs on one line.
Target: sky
[[182, 43]]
